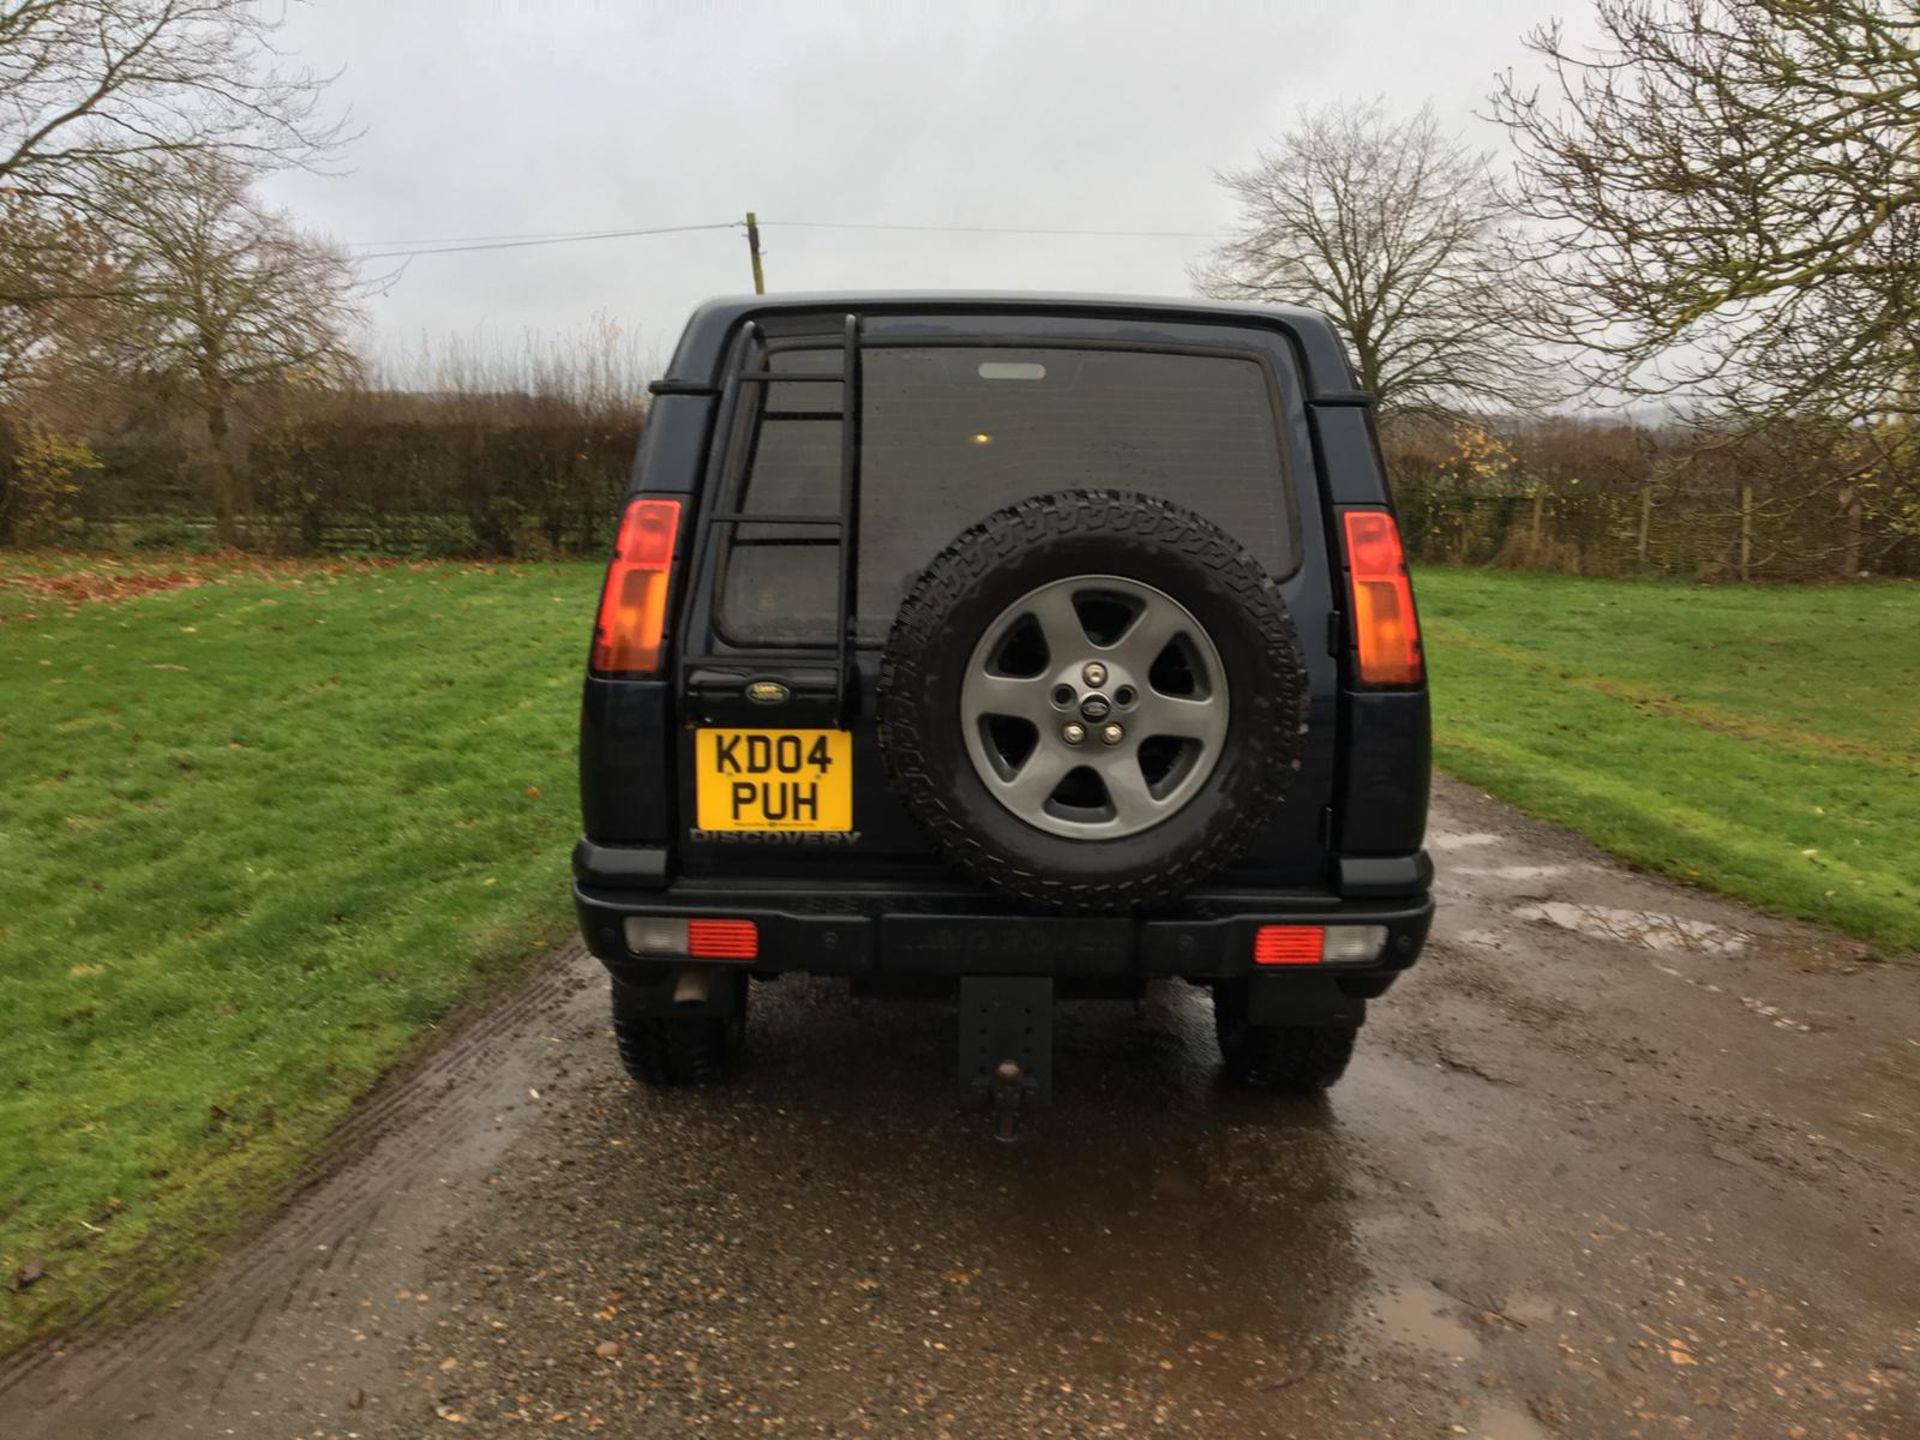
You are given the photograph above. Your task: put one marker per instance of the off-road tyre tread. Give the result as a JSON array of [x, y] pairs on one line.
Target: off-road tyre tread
[[667, 1050], [970, 559], [1285, 1059]]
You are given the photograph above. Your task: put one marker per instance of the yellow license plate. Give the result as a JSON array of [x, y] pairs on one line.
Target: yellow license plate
[[773, 779]]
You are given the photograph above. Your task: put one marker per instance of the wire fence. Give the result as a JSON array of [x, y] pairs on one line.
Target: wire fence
[[531, 473], [506, 476], [1611, 501]]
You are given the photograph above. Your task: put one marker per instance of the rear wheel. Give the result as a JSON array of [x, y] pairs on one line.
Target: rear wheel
[[666, 1049], [1287, 1059]]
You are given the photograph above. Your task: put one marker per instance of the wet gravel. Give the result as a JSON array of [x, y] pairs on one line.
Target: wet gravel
[[1618, 1159]]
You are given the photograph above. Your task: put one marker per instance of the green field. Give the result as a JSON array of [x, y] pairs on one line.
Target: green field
[[1761, 741], [262, 829], [258, 833]]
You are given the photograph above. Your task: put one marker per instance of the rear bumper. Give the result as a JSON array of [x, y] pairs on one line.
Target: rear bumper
[[880, 930]]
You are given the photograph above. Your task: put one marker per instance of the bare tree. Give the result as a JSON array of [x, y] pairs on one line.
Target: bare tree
[[93, 89], [1729, 194], [1394, 228], [87, 86], [228, 305]]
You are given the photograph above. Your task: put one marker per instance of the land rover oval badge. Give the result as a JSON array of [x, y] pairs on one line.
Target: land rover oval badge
[[767, 692]]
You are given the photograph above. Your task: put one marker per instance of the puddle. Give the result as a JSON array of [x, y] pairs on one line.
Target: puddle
[[1504, 1422], [1388, 1226], [1532, 1309], [1648, 929], [1484, 939], [1515, 872], [1459, 840], [1419, 1315], [1773, 1013], [1779, 1018]]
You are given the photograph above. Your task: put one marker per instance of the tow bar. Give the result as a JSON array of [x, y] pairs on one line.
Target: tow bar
[[1006, 1046]]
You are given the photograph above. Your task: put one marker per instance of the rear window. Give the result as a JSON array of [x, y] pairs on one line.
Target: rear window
[[949, 434]]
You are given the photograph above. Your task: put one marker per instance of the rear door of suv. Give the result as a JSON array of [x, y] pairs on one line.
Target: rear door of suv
[[957, 415]]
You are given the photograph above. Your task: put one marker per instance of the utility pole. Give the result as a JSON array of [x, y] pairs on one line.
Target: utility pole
[[753, 249]]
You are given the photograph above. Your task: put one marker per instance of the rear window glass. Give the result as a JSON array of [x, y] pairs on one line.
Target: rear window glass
[[949, 434]]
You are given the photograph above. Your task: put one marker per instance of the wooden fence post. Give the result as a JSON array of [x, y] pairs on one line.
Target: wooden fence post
[[1746, 530], [1856, 512]]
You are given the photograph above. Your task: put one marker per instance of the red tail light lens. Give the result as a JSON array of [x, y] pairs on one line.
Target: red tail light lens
[[633, 603], [1386, 634], [1288, 944], [723, 939]]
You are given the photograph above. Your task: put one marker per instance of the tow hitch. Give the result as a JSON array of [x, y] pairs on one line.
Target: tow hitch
[[1006, 1046]]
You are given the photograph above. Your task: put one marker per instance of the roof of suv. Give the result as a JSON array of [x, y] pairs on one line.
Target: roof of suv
[[1324, 369]]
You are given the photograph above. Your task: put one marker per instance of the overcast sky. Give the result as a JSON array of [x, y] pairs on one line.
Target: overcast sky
[[506, 117]]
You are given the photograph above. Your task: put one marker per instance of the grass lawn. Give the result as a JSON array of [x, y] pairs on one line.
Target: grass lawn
[[1764, 742], [257, 832]]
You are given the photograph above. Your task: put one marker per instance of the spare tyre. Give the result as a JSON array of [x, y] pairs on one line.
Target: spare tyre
[[1091, 699]]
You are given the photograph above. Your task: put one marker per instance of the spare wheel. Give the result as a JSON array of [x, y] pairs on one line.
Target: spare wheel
[[1092, 699]]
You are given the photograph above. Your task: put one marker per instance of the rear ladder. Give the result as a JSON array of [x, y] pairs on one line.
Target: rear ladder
[[701, 675]]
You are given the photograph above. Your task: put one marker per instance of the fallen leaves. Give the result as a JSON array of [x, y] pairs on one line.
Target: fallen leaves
[[81, 587]]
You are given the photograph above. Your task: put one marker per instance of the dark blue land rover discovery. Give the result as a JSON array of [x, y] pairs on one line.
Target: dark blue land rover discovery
[[1006, 648]]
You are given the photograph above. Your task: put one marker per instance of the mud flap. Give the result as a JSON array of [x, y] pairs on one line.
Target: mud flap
[[659, 991], [1293, 999], [1006, 1021]]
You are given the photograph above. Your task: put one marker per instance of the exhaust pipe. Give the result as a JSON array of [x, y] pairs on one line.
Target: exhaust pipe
[[692, 985]]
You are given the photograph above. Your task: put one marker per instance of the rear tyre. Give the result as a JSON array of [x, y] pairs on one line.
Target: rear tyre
[[659, 1050], [1285, 1059]]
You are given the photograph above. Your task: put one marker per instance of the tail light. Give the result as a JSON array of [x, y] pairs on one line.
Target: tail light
[[633, 603], [723, 939], [1385, 632], [1288, 944], [701, 939], [1318, 944]]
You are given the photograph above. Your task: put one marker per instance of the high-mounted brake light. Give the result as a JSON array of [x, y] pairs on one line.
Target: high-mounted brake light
[[1386, 634], [633, 603]]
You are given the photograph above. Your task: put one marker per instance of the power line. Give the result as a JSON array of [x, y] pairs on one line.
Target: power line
[[521, 242], [993, 229], [471, 239], [456, 245]]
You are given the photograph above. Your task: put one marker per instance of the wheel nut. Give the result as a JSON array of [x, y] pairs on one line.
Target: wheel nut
[[1095, 674], [1073, 732], [1112, 734]]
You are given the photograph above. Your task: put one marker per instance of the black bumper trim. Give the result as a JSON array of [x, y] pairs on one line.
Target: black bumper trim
[[620, 867], [1383, 876], [900, 933]]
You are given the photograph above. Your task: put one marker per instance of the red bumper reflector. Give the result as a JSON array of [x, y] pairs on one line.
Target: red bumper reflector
[[1287, 944], [724, 939]]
